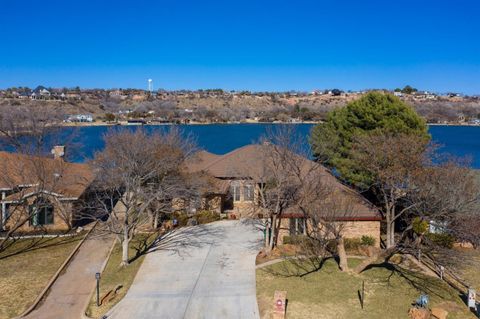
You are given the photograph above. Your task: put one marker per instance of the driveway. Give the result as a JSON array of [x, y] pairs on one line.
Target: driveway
[[71, 291], [206, 271]]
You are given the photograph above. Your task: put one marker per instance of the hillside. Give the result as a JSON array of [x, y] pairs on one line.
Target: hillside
[[219, 106]]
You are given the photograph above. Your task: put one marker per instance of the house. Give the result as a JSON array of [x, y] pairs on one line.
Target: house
[[40, 92], [80, 118], [42, 194], [234, 191]]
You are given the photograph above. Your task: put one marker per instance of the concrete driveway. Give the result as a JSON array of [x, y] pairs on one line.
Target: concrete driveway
[[205, 271]]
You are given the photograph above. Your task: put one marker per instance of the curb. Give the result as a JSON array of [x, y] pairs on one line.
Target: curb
[[55, 276], [104, 265]]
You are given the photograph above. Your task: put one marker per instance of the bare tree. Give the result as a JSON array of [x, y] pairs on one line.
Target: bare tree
[[392, 161], [285, 167], [412, 183], [140, 176]]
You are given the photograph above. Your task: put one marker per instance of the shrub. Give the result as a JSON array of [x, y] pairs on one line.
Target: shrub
[[181, 218], [352, 243], [367, 240], [441, 239], [419, 226], [207, 216], [294, 239], [110, 117]]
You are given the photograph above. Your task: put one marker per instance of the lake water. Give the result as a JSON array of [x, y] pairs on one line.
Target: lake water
[[223, 138]]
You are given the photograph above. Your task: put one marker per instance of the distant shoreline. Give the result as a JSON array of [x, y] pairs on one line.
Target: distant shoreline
[[92, 124]]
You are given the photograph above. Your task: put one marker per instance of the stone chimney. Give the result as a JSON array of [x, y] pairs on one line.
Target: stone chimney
[[58, 151]]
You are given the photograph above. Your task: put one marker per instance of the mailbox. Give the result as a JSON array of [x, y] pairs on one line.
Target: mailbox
[[280, 303]]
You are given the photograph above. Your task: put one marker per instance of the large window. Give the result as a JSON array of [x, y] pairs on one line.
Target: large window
[[297, 226], [41, 212], [248, 192], [235, 191]]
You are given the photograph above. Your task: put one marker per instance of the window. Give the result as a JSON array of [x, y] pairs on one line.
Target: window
[[248, 192], [235, 191], [297, 226], [41, 213]]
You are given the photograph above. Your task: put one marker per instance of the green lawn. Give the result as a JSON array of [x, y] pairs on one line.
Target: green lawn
[[26, 267], [114, 275], [329, 293]]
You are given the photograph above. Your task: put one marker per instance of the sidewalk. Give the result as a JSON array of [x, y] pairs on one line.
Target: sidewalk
[[68, 295]]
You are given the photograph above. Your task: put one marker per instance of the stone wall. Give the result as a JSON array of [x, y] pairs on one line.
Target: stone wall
[[363, 228], [355, 229]]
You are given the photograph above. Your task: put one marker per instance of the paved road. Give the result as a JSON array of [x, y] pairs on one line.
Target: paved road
[[68, 296], [198, 272]]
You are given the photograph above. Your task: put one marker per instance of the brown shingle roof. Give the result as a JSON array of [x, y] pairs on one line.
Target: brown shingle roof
[[242, 162], [200, 160], [37, 173], [248, 162]]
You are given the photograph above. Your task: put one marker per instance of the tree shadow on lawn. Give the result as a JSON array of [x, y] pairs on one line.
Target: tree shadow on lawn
[[299, 267], [423, 283], [24, 245], [179, 240]]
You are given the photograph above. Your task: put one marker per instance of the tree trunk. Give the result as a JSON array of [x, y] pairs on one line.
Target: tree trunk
[[273, 233], [267, 234], [378, 256], [390, 227], [125, 244], [155, 221], [342, 254]]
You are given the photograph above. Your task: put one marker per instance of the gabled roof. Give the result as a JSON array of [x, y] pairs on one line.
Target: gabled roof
[[43, 174], [248, 162]]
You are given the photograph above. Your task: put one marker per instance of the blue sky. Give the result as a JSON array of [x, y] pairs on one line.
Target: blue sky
[[251, 44]]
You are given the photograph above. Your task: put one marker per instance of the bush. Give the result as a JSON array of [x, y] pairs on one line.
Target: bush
[[298, 240], [207, 216], [419, 226], [367, 240], [352, 243], [442, 239], [293, 239], [181, 218], [109, 117]]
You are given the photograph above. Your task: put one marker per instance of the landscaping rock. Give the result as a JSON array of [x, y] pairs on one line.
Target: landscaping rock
[[439, 313], [419, 313]]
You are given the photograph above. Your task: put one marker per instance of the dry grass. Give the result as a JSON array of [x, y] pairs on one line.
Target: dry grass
[[26, 267], [114, 275], [470, 267], [329, 293]]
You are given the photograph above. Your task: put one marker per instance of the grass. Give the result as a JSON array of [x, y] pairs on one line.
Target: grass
[[114, 275], [470, 268], [26, 267], [329, 293]]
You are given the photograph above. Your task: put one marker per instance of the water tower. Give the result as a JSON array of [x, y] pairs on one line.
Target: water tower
[[150, 85]]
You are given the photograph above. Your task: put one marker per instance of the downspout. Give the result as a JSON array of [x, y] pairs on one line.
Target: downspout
[[3, 217]]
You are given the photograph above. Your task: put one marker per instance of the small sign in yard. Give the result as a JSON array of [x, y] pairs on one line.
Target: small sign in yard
[[472, 304], [280, 299]]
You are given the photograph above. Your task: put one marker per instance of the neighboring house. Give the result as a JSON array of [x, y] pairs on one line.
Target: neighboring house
[[234, 190], [40, 92], [80, 118], [41, 194]]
